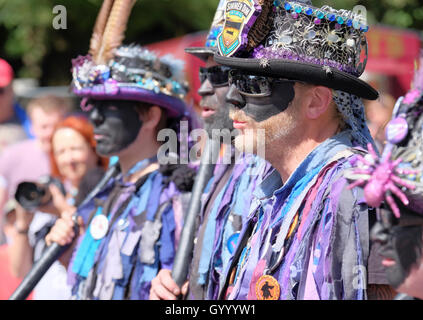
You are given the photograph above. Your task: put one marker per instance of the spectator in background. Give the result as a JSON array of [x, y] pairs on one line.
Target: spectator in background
[[10, 111], [378, 114], [8, 281], [72, 156], [11, 133], [28, 160]]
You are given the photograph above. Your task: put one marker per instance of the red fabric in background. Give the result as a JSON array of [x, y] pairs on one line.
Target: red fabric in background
[[8, 283], [393, 52]]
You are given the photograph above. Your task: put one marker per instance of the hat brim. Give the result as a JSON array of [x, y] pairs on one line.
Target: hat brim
[[202, 53], [302, 71], [175, 107]]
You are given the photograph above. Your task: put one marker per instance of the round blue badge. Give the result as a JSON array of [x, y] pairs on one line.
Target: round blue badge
[[232, 242]]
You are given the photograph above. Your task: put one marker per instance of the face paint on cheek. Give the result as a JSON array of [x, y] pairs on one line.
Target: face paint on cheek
[[263, 108], [404, 247], [119, 129]]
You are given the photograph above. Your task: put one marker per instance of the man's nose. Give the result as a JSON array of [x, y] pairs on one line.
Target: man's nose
[[96, 116], [234, 97], [206, 88], [379, 233]]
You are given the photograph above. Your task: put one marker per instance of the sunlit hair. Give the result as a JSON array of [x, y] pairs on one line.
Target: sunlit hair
[[49, 103], [82, 125]]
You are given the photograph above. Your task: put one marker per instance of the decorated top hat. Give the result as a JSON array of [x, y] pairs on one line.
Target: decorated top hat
[[210, 46], [294, 40], [112, 71]]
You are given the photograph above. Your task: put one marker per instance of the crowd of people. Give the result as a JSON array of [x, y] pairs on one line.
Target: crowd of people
[[325, 204]]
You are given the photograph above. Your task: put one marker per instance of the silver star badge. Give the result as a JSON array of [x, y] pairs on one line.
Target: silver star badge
[[327, 69], [264, 63]]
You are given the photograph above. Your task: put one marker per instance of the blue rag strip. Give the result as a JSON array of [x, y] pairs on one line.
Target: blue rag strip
[[296, 191], [144, 193], [167, 244], [154, 197]]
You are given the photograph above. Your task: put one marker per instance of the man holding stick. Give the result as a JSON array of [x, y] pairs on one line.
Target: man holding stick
[[226, 198], [128, 230]]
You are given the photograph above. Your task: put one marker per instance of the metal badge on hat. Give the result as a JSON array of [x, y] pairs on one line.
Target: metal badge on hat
[[240, 15], [217, 25]]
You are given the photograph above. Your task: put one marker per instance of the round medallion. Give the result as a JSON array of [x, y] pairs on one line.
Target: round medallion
[[396, 130], [99, 226], [267, 288]]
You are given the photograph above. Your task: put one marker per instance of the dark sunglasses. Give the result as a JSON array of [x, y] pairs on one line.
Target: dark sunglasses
[[252, 85], [217, 75]]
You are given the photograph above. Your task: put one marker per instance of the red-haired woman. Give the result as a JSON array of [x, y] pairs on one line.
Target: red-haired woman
[[72, 158], [73, 155]]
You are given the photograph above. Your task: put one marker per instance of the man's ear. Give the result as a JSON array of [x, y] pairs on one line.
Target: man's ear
[[320, 100], [152, 117]]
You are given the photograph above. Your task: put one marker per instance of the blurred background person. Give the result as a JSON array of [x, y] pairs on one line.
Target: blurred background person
[[11, 133], [378, 114], [72, 157], [8, 281], [10, 110], [28, 160]]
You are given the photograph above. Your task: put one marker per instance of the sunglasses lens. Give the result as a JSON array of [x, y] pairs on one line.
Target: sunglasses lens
[[217, 75], [250, 84], [203, 74]]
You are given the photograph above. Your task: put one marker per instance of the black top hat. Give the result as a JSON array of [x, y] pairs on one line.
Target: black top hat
[[295, 40]]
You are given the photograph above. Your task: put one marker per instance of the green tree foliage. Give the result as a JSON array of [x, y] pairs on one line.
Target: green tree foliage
[[36, 49], [398, 13]]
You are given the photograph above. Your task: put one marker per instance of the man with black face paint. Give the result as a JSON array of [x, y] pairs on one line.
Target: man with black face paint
[[225, 200], [295, 75], [398, 193], [117, 125], [129, 230]]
